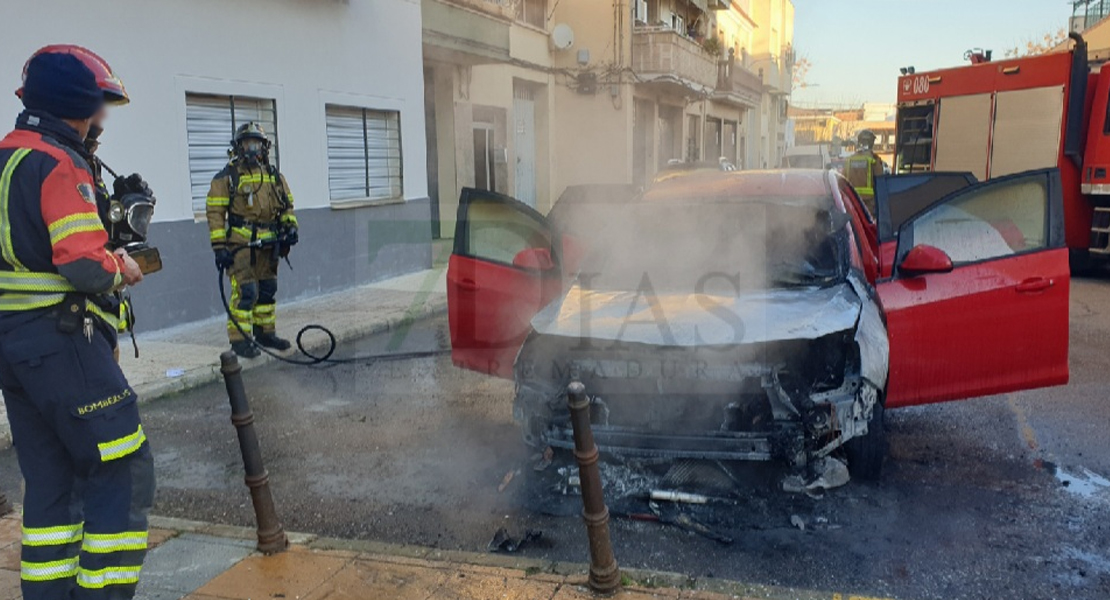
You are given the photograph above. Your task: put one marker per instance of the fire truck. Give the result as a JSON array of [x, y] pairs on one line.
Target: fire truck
[[994, 118]]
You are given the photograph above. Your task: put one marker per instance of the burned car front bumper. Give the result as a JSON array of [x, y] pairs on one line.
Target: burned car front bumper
[[797, 386]]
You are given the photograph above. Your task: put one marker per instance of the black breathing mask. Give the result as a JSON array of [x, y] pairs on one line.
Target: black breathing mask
[[130, 210]]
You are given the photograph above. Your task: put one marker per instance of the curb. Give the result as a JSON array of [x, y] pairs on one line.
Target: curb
[[644, 579], [433, 305]]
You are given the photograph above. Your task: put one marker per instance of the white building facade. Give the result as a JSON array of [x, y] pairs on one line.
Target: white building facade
[[337, 83]]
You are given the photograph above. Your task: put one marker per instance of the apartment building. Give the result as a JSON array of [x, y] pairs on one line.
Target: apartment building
[[526, 97]]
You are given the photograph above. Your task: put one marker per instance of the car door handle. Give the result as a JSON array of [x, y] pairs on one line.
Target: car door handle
[[468, 285], [1034, 284]]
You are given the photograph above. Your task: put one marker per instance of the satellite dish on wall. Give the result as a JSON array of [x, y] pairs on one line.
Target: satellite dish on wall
[[562, 36]]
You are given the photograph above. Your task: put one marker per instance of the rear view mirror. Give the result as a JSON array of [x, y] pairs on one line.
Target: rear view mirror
[[534, 259], [922, 259]]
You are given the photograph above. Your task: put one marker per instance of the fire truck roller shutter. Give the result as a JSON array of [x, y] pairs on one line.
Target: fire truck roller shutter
[[1026, 130], [963, 134]]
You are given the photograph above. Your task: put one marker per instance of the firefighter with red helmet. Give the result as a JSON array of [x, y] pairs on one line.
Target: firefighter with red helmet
[[251, 226], [75, 424], [862, 167]]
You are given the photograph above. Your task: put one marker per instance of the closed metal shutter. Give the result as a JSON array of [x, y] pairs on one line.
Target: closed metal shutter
[[1027, 127], [210, 123], [963, 134], [364, 153]]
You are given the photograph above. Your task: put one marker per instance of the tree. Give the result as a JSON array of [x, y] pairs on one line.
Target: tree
[[799, 72], [1044, 45]]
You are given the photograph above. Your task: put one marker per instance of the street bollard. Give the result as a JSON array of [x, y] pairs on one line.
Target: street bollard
[[271, 535], [5, 506], [605, 576]]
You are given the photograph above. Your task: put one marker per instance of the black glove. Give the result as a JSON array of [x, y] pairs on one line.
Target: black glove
[[291, 237], [224, 259], [132, 184]]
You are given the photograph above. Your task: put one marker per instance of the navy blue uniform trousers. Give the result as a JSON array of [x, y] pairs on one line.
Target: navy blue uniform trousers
[[88, 469]]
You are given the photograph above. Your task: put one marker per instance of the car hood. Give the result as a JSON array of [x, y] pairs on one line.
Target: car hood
[[705, 320], [701, 319]]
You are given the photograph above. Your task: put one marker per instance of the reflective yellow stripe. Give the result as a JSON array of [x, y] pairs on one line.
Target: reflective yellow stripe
[[7, 250], [18, 301], [290, 219], [73, 224], [264, 314], [26, 281], [218, 201], [52, 536], [48, 571], [109, 576], [122, 447], [105, 543], [262, 234], [110, 319], [255, 179], [217, 235]]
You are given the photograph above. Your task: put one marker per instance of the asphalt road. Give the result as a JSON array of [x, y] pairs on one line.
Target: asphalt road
[[973, 503]]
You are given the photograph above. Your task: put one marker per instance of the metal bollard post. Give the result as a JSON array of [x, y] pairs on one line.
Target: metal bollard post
[[605, 576], [5, 506], [271, 535]]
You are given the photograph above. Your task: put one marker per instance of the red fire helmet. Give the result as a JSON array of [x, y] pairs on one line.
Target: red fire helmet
[[106, 80]]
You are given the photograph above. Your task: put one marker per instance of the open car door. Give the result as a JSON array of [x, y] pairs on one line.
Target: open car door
[[899, 197], [978, 303], [503, 270]]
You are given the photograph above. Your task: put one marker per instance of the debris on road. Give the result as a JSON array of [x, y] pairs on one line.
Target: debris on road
[[673, 496], [505, 481], [543, 461], [503, 542], [797, 521], [832, 473]]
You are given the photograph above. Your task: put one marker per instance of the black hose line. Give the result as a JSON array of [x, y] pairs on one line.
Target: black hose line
[[313, 359]]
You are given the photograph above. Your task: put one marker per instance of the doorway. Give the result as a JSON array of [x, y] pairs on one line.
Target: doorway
[[524, 142], [643, 140], [713, 146], [432, 148], [484, 171]]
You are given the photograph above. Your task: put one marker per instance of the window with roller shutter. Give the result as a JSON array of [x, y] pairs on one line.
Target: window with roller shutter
[[210, 123], [364, 154]]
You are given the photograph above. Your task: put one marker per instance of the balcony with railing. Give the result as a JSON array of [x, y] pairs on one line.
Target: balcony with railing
[[466, 31], [661, 54], [498, 8], [737, 84]]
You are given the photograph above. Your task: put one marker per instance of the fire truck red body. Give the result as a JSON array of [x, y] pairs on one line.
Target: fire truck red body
[[996, 118]]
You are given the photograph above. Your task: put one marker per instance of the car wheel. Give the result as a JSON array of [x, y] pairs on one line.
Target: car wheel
[[866, 453], [1080, 262]]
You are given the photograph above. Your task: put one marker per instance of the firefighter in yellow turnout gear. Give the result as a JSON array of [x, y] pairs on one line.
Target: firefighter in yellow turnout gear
[[251, 226], [863, 167]]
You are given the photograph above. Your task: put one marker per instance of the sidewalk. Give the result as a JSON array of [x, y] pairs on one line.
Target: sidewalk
[[179, 358], [198, 561]]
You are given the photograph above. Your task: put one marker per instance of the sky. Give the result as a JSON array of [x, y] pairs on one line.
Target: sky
[[857, 46]]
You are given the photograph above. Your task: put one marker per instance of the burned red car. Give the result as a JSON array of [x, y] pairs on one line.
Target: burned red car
[[761, 315]]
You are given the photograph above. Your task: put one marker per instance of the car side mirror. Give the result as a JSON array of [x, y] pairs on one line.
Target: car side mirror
[[534, 259], [922, 259]]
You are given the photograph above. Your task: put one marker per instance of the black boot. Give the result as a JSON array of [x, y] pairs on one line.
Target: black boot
[[271, 340], [245, 349]]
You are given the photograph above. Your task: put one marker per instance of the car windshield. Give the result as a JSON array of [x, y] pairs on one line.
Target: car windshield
[[717, 247]]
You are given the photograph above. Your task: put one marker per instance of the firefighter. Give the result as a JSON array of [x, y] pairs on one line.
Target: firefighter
[[75, 423], [251, 226], [862, 167]]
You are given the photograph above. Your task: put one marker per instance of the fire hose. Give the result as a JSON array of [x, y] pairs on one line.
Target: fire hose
[[311, 358]]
